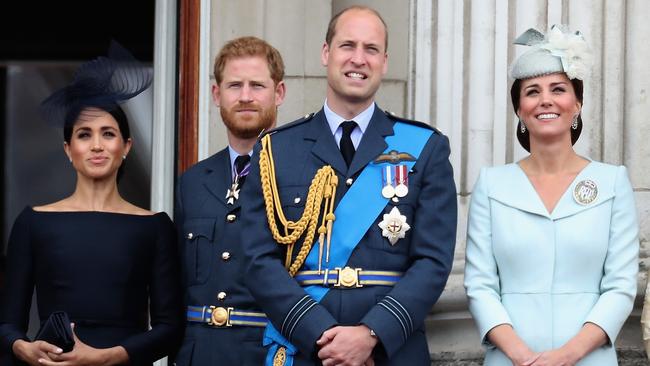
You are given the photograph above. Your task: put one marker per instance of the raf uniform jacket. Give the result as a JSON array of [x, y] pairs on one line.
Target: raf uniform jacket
[[396, 314], [210, 245], [547, 274]]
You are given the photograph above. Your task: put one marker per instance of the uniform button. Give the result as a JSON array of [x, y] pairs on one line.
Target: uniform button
[[225, 256], [296, 200], [349, 182], [221, 296], [231, 217], [190, 235]]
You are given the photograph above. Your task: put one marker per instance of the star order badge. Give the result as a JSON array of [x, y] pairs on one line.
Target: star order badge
[[394, 226], [585, 192]]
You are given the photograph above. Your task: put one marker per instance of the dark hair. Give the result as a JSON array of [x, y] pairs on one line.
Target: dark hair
[[331, 27], [524, 138], [122, 124]]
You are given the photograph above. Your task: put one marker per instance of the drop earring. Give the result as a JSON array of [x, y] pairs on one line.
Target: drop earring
[[574, 123], [522, 126]]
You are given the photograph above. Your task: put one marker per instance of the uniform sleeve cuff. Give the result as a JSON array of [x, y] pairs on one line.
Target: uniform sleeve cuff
[[391, 322], [305, 324]]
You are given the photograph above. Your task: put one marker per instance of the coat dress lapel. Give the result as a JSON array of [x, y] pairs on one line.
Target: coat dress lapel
[[516, 190], [569, 206]]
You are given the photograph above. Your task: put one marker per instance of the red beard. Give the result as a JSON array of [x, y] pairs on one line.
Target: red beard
[[248, 126]]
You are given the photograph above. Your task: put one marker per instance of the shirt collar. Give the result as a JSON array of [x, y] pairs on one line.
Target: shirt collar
[[233, 155], [362, 119]]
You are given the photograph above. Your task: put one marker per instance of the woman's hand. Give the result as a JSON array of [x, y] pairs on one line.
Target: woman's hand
[[32, 352], [556, 357], [590, 337], [506, 339], [524, 358], [85, 355]]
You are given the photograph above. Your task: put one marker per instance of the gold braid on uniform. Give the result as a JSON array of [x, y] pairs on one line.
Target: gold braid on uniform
[[322, 192]]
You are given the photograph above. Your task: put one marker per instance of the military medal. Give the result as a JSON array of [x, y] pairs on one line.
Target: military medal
[[388, 190], [394, 226], [585, 192], [233, 193], [401, 177]]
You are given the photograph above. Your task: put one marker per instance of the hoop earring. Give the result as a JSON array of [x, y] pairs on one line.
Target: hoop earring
[[574, 123], [522, 126]]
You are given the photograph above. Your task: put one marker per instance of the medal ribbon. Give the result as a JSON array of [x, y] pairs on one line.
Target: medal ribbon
[[388, 177], [244, 172], [401, 175], [361, 205]]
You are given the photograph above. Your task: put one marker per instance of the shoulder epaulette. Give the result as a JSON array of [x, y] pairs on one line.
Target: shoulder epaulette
[[395, 117], [285, 126]]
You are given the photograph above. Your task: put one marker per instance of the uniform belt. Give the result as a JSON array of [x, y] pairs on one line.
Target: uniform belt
[[348, 277], [222, 317]]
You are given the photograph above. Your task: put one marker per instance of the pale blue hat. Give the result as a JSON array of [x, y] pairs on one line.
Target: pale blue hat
[[559, 51]]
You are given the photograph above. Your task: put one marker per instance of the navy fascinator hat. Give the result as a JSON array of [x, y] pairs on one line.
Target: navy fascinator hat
[[102, 83]]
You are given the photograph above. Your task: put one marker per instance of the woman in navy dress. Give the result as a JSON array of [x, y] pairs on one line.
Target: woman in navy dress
[[112, 266]]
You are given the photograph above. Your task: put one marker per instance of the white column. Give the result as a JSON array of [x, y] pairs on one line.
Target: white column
[[423, 67], [637, 87], [587, 17], [164, 113], [450, 79], [501, 114], [480, 92], [205, 98], [613, 71], [555, 12]]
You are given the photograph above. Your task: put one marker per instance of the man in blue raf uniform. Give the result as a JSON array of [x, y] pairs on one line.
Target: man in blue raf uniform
[[364, 203], [224, 325]]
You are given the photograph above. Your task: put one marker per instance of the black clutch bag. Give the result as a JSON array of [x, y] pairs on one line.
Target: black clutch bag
[[57, 331]]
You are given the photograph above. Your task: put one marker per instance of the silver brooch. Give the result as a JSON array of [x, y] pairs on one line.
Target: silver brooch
[[585, 192]]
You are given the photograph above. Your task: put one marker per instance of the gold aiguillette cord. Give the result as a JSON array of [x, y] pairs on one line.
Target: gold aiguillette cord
[[322, 188]]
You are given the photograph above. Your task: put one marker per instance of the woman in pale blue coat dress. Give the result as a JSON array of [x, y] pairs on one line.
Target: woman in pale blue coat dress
[[552, 241]]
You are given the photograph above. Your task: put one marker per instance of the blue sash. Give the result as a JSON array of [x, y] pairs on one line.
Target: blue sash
[[361, 204]]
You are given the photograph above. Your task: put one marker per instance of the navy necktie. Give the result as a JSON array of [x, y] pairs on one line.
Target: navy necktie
[[346, 145], [242, 168]]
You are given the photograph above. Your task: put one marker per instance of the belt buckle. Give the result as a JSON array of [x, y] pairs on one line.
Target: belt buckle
[[348, 277], [220, 316]]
